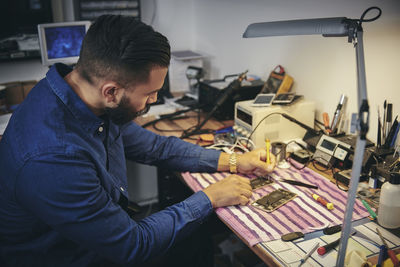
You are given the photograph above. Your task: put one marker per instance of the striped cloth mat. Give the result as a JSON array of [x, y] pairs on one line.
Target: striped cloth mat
[[300, 214]]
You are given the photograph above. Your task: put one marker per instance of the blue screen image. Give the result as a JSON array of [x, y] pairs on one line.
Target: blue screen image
[[64, 41]]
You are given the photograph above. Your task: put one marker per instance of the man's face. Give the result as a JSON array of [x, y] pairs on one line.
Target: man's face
[[124, 112], [136, 101]]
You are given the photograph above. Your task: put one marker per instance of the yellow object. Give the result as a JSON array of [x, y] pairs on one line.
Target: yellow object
[[388, 262], [232, 163], [268, 148], [278, 82], [355, 258], [327, 204], [286, 84], [207, 137]]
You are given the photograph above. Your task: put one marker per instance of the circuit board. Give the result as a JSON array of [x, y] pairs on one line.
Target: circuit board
[[260, 182], [274, 200]]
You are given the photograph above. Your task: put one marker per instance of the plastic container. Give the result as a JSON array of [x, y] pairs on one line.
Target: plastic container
[[389, 203]]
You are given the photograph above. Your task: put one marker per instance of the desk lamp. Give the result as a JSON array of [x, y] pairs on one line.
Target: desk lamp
[[333, 27]]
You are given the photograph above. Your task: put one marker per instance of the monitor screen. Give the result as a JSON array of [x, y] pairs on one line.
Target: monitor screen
[[61, 42]]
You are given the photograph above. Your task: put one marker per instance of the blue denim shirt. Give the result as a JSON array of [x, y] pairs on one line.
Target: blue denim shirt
[[59, 197]]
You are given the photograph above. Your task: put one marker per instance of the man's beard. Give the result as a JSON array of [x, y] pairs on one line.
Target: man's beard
[[124, 113]]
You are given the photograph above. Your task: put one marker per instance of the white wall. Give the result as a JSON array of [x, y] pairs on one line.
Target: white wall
[[173, 18], [323, 68]]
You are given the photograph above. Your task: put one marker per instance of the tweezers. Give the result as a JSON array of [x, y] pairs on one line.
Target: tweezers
[[298, 183]]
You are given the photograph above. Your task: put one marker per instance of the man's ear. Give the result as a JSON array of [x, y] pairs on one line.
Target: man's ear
[[111, 92]]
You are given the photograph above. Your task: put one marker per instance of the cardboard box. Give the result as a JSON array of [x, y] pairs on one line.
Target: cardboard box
[[17, 91]]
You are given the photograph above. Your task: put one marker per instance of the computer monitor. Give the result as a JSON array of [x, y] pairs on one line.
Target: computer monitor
[[61, 42]]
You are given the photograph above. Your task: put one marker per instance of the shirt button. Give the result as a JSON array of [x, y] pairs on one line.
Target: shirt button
[[101, 129], [122, 189]]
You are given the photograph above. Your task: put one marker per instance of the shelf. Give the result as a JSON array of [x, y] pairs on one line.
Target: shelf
[[91, 9]]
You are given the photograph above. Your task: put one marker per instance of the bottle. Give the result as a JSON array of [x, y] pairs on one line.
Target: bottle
[[389, 203]]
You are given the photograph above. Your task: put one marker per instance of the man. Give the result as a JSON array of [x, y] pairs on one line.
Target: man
[[62, 159]]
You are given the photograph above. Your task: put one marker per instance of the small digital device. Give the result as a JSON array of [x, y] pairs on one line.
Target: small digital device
[[301, 155], [61, 42], [285, 98], [274, 200], [260, 182], [263, 100], [329, 148]]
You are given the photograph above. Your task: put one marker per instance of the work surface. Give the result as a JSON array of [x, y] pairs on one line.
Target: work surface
[[302, 213], [262, 231], [290, 253]]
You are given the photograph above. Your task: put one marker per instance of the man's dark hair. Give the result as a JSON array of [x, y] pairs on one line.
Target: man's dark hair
[[122, 49]]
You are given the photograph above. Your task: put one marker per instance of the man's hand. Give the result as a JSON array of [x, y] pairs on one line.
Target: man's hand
[[254, 162], [232, 190]]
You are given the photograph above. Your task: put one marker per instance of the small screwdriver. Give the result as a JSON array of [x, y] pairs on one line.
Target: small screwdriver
[[390, 252], [321, 200], [328, 247], [326, 122], [268, 148]]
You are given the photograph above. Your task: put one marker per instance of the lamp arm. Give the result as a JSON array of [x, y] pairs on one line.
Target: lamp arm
[[363, 126]]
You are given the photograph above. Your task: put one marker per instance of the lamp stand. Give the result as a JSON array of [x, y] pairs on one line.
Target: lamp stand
[[363, 122]]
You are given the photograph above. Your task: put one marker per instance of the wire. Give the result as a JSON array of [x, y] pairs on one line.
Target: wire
[[168, 116], [240, 146], [371, 19], [217, 146], [174, 116], [171, 119], [317, 168], [334, 172], [317, 121], [240, 139], [248, 138], [329, 167], [304, 148], [228, 146], [199, 132]]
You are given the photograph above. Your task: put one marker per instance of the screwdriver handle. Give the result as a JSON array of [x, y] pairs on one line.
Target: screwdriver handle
[[326, 122], [390, 252], [328, 247], [321, 200], [393, 257]]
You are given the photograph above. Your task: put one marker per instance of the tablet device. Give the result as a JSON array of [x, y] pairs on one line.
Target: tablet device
[[285, 98], [263, 100]]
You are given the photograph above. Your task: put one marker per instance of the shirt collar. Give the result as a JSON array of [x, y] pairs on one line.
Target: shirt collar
[[55, 77]]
